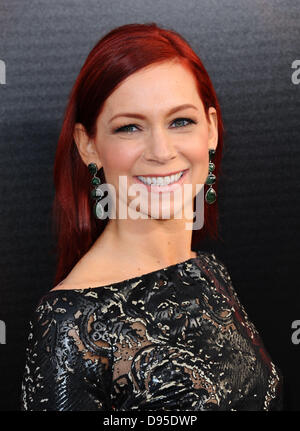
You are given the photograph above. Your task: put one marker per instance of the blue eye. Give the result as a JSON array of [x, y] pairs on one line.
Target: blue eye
[[177, 120], [125, 128], [188, 120]]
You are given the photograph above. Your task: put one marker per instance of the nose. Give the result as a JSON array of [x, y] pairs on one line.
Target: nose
[[159, 147]]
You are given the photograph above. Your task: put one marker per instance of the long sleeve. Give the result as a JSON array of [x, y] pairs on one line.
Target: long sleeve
[[273, 399], [66, 369]]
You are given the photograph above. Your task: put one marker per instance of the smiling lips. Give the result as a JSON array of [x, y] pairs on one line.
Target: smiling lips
[[162, 183], [157, 180]]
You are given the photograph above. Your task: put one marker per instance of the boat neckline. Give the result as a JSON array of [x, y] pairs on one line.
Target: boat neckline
[[132, 279]]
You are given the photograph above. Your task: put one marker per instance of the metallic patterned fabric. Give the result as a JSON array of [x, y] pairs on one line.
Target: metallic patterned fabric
[[173, 339]]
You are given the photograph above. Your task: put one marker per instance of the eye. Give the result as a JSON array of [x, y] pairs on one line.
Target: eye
[[181, 120], [125, 128], [128, 127]]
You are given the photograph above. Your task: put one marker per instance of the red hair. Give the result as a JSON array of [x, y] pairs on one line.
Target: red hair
[[119, 54]]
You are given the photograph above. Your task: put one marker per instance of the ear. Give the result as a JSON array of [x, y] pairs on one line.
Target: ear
[[212, 129], [86, 146]]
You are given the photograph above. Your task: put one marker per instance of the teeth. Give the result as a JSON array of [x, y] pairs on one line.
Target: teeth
[[161, 181]]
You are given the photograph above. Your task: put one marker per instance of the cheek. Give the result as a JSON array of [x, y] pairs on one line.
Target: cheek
[[197, 148], [119, 158], [198, 153], [198, 157]]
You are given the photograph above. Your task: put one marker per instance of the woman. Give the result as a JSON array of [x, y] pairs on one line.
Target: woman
[[139, 321]]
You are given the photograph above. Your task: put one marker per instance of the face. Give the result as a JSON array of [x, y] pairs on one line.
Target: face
[[154, 125]]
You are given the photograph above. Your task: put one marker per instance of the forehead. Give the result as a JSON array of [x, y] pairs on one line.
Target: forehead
[[161, 85]]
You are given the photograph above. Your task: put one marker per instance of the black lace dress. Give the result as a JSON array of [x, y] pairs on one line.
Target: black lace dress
[[173, 339]]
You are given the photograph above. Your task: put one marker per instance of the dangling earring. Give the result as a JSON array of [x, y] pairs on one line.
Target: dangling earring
[[97, 193], [211, 194]]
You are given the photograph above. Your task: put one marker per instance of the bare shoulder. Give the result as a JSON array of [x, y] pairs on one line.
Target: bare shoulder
[[64, 286], [86, 275], [82, 276], [79, 282], [79, 285]]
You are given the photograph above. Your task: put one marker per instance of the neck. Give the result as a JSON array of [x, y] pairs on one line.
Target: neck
[[157, 242]]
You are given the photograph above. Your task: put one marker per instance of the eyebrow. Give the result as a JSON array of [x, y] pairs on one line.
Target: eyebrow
[[135, 115]]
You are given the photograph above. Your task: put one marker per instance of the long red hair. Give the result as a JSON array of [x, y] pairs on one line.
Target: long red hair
[[119, 54]]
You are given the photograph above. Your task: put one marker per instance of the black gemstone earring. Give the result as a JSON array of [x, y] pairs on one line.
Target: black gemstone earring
[[211, 194], [97, 192]]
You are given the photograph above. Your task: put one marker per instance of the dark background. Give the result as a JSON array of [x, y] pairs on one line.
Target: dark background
[[247, 48]]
